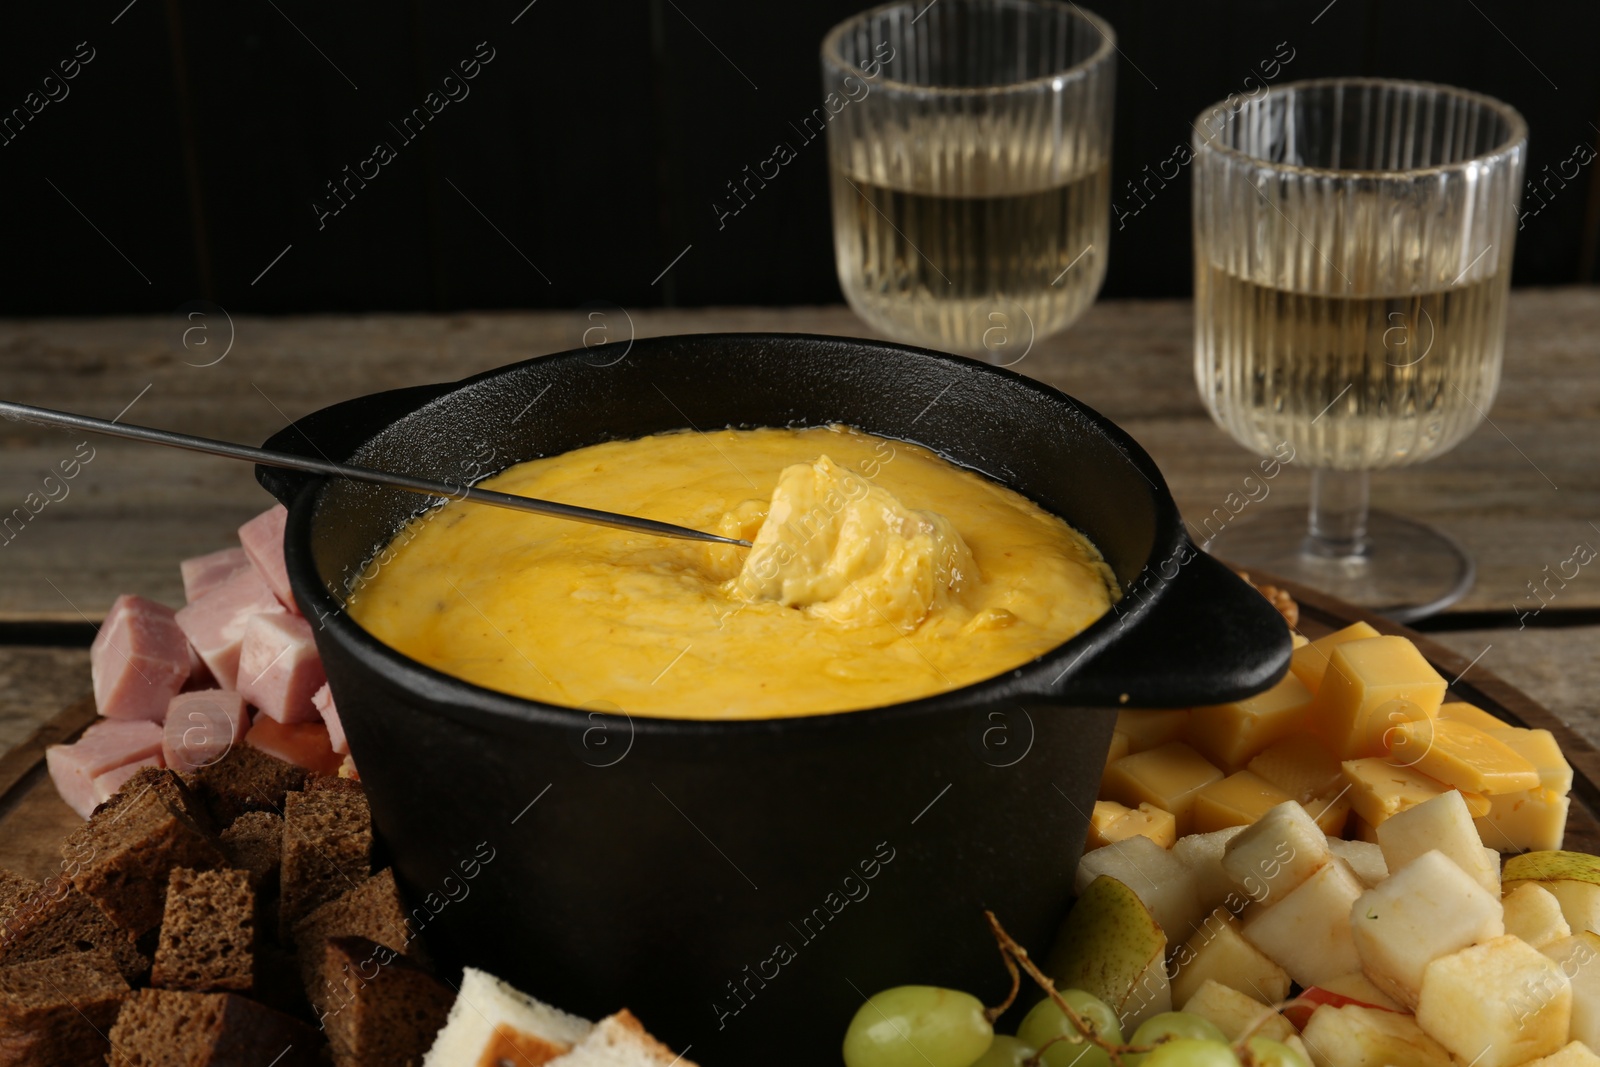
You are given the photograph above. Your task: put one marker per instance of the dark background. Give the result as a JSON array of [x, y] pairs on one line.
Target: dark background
[[589, 153]]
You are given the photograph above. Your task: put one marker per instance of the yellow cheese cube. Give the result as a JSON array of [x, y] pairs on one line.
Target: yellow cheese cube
[[1144, 821], [1457, 711], [1238, 800], [1167, 777], [1462, 756], [1371, 686], [1119, 747], [1300, 766], [1309, 663], [1478, 805], [1379, 789], [1148, 728], [1516, 822], [1330, 813], [1298, 640], [1539, 748], [1106, 815], [1230, 735]]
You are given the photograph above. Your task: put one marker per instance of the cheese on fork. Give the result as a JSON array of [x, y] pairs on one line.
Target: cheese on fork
[[848, 551]]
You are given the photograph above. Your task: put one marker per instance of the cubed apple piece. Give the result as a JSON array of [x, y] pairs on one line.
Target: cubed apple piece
[[322, 700], [1472, 715], [279, 670], [202, 727], [1309, 662], [1218, 953], [1111, 946], [1119, 747], [1534, 820], [1353, 1036], [1167, 777], [1147, 728], [262, 540], [1497, 1004], [1298, 1011], [1301, 767], [1307, 932], [1379, 789], [1462, 756], [1369, 688], [1231, 735], [1282, 849], [1573, 877], [1111, 822], [1234, 1012], [1534, 914], [1159, 879], [1441, 823], [1539, 748], [1358, 987], [1572, 1054], [1238, 800], [1578, 957], [1426, 909], [1364, 857], [1202, 854]]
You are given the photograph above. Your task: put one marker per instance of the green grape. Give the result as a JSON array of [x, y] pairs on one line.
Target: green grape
[[918, 1026], [1005, 1052], [1191, 1052], [1046, 1021], [1170, 1024], [1269, 1053]]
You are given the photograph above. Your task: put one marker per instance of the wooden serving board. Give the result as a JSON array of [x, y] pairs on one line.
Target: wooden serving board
[[33, 820]]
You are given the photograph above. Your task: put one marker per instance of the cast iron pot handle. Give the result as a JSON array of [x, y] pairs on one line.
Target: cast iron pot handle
[[336, 432], [1207, 637]]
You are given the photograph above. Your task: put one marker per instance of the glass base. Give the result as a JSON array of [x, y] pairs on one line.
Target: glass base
[[1407, 571]]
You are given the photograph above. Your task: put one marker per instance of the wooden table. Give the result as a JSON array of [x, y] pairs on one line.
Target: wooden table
[[1521, 493]]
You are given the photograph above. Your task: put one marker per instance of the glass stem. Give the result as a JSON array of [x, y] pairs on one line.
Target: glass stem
[[1338, 514]]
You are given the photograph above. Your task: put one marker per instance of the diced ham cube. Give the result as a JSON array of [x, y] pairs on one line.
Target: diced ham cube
[[204, 573], [139, 660], [305, 744], [201, 727], [323, 701], [279, 671], [105, 746], [215, 623], [106, 786], [262, 538]]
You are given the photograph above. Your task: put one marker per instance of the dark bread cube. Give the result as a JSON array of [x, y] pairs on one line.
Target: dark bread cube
[[380, 1008], [208, 933], [163, 782], [121, 858], [169, 1028], [39, 921], [373, 910], [327, 851], [334, 783], [246, 779], [254, 843], [56, 1010]]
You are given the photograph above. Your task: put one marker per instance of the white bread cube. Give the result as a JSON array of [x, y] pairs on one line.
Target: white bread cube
[[1573, 1054], [1534, 914], [1497, 1004], [1426, 909], [1307, 932], [618, 1041], [1579, 959], [1358, 986], [1161, 881], [1234, 1012], [1354, 1036], [490, 1020], [1202, 854], [1282, 849], [1364, 857], [1218, 953], [1442, 824]]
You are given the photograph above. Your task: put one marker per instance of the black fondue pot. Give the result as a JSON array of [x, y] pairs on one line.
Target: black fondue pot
[[743, 886]]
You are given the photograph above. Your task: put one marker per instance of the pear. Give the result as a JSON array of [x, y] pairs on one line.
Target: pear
[[1110, 946], [1572, 877]]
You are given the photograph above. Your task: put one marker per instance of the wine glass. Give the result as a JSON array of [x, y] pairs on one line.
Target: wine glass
[[969, 147], [1353, 241]]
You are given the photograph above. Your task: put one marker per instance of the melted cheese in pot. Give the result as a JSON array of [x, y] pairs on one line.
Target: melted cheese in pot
[[880, 573]]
